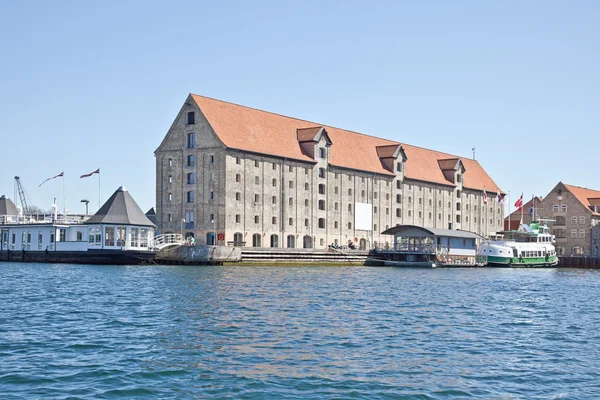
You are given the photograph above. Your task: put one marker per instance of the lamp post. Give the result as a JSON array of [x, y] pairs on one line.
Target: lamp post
[[86, 205], [212, 221]]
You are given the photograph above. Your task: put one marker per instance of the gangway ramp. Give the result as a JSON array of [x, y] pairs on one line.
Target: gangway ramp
[[161, 242]]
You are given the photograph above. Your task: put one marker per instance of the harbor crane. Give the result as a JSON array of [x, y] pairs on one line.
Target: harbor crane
[[22, 196]]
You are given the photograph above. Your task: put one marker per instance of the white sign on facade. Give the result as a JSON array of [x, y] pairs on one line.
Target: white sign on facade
[[363, 216]]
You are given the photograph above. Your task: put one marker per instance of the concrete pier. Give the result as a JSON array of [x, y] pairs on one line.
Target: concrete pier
[[208, 255]]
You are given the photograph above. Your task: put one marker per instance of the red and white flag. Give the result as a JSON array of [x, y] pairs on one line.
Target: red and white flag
[[499, 198], [57, 176], [484, 197], [90, 174], [519, 203]]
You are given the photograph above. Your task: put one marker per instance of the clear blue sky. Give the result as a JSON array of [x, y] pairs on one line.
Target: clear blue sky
[[86, 85]]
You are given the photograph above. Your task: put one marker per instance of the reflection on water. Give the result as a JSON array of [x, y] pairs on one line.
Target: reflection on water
[[297, 332]]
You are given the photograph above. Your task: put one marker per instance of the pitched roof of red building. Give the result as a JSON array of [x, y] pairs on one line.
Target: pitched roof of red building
[[258, 131], [584, 195]]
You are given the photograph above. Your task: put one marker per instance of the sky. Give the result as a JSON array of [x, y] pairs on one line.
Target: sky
[[87, 85]]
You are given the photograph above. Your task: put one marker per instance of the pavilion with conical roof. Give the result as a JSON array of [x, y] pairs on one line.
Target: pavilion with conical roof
[[7, 207], [120, 224]]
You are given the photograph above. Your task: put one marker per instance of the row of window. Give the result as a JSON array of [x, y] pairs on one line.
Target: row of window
[[190, 160], [575, 251], [561, 233], [138, 236], [189, 219], [307, 241]]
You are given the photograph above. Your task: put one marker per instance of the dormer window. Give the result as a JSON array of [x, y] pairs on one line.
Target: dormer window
[[191, 118], [399, 167], [322, 153], [458, 178]]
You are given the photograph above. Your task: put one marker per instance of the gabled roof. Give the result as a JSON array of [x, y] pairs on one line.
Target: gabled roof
[[584, 195], [249, 129], [388, 151], [512, 224], [7, 207], [120, 208], [151, 214], [308, 134], [449, 164]]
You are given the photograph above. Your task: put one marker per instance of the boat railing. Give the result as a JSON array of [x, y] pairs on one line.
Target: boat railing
[[40, 219], [414, 248]]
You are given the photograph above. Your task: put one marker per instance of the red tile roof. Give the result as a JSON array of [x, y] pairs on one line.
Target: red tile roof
[[387, 151], [308, 134], [258, 131], [448, 164], [584, 195]]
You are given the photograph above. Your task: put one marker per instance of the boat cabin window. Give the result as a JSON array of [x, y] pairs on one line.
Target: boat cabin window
[[135, 237], [121, 236], [143, 237], [109, 236]]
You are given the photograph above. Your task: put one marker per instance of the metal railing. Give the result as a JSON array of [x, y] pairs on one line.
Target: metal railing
[[39, 219], [170, 239]]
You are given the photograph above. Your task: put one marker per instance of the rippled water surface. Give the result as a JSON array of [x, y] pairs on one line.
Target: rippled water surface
[[176, 332]]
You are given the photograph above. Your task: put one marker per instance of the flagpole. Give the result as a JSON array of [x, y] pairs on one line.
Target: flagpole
[[64, 196], [522, 206], [509, 216], [98, 190]]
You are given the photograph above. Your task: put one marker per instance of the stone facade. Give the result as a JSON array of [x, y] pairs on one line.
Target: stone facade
[[573, 222], [595, 245], [217, 193]]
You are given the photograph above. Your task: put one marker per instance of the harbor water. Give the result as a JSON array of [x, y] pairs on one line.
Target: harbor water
[[187, 332]]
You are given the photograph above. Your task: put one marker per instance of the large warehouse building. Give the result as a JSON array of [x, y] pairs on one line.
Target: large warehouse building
[[230, 174]]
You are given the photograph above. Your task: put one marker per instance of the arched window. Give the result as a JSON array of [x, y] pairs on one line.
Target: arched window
[[307, 242], [321, 222], [274, 241], [577, 251], [256, 240], [363, 243], [321, 204], [238, 239], [291, 241], [321, 188], [211, 239]]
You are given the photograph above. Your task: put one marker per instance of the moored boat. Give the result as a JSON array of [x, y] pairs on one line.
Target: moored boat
[[531, 246], [119, 233], [416, 246]]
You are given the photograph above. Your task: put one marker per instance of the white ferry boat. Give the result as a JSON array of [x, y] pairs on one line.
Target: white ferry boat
[[119, 233], [532, 246]]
